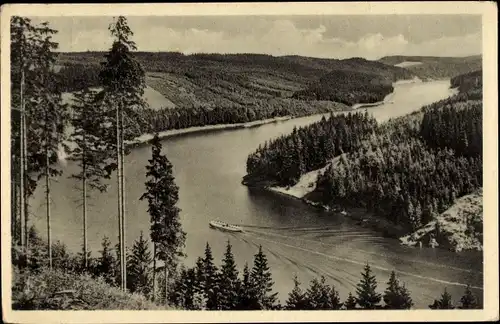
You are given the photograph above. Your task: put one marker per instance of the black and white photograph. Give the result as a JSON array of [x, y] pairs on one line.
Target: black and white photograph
[[240, 163]]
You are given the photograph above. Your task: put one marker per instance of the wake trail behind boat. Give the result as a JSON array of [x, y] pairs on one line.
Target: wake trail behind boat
[[369, 252], [331, 257]]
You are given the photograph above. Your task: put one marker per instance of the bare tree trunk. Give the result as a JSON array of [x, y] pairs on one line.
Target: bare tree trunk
[[118, 170], [154, 271], [47, 198], [166, 282], [86, 259], [122, 153], [14, 204], [22, 162], [25, 190]]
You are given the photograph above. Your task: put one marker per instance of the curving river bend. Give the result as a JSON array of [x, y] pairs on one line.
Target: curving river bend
[[298, 239]]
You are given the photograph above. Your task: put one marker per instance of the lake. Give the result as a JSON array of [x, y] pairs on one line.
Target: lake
[[297, 238]]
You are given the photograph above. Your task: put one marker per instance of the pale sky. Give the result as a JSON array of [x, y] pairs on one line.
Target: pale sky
[[368, 36]]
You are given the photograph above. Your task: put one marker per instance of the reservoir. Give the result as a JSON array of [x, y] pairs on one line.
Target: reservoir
[[297, 238]]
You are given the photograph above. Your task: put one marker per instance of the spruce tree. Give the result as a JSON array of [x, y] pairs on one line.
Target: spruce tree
[[229, 283], [263, 283], [162, 195], [200, 283], [210, 280], [396, 296], [106, 266], [350, 302], [444, 302], [187, 289], [367, 296], [297, 298], [335, 302], [318, 295], [468, 300], [247, 299], [123, 81], [139, 267]]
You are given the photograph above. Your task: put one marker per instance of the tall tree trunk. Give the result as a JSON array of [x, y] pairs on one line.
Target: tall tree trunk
[[25, 190], [22, 162], [47, 198], [165, 268], [154, 271], [86, 259], [14, 202], [122, 153], [118, 175]]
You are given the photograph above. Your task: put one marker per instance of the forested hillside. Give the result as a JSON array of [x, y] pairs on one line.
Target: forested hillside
[[283, 160], [468, 82], [407, 170], [436, 67], [235, 80], [348, 87]]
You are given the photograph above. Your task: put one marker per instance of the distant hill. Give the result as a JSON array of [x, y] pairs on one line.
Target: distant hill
[[433, 67], [239, 80]]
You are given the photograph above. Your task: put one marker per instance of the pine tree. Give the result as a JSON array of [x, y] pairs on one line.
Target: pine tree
[[123, 81], [468, 300], [162, 195], [350, 302], [318, 295], [85, 263], [106, 267], [210, 280], [297, 299], [139, 267], [247, 297], [396, 296], [443, 303], [335, 302], [263, 283], [200, 283], [367, 296], [92, 150], [229, 284], [61, 257], [187, 289]]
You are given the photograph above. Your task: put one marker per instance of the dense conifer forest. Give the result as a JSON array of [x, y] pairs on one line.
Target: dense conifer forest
[[347, 87], [285, 159]]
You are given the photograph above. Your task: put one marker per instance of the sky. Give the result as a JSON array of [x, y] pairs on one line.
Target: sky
[[325, 36]]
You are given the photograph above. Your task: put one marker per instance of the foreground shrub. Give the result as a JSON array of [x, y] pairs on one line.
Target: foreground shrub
[[54, 289]]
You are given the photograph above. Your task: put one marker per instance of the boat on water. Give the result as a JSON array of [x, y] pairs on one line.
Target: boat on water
[[225, 226]]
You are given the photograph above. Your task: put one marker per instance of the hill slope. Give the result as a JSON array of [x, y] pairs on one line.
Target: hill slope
[[62, 290], [237, 80], [459, 228], [433, 67]]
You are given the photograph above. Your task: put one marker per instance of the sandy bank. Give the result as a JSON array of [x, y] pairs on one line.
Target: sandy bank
[[176, 132]]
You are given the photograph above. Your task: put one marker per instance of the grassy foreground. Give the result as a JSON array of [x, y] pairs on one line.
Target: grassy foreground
[[55, 289]]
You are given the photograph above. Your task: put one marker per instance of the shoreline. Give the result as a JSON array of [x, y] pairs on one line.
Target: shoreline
[[359, 214], [367, 105], [145, 138]]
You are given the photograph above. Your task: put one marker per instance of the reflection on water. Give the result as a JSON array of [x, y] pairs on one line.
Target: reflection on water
[[297, 238]]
